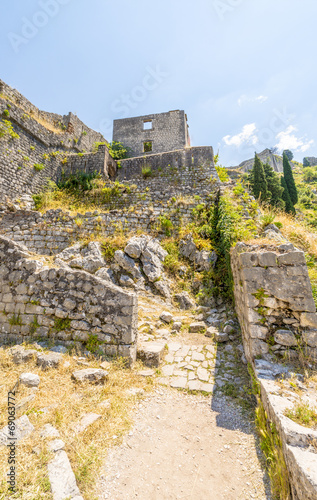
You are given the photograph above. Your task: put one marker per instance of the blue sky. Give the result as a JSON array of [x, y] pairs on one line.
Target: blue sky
[[243, 70]]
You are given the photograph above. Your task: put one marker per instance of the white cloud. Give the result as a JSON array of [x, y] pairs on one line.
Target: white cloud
[[288, 140], [244, 98], [246, 136]]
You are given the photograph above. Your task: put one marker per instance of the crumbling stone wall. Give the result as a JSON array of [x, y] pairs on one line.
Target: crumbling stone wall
[[169, 132], [38, 154], [38, 300], [74, 134], [274, 301], [182, 165], [50, 233], [277, 314]]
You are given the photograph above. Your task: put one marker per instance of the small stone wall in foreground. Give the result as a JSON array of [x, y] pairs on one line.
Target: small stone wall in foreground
[[39, 301], [277, 314]]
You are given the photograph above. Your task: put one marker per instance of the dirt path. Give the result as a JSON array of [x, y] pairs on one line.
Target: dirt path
[[185, 447]]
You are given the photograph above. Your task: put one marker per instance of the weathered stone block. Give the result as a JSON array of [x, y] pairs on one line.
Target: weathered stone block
[[292, 258], [308, 320], [310, 338], [248, 259], [285, 337], [267, 259]]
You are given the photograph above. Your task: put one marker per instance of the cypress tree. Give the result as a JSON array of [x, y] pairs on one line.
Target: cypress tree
[[259, 180], [289, 180], [289, 207], [275, 190]]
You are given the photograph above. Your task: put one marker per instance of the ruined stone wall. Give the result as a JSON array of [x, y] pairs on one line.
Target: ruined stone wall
[[40, 301], [50, 233], [274, 301], [39, 150], [168, 132], [26, 164], [74, 134], [189, 171], [277, 315]]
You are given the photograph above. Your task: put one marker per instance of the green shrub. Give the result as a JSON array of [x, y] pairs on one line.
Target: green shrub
[[222, 173], [61, 324], [39, 166], [92, 344], [6, 129], [81, 181], [6, 113], [147, 172], [118, 151], [310, 174], [166, 224]]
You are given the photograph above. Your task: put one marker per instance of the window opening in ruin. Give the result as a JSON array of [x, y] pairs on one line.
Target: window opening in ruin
[[147, 125], [147, 146]]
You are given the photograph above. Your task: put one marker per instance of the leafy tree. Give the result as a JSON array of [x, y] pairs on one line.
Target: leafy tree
[[259, 180], [118, 151], [275, 190], [289, 154], [289, 207], [306, 162], [289, 180], [310, 174]]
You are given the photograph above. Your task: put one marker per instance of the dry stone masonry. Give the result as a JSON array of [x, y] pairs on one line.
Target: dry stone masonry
[[277, 314], [274, 300], [60, 303]]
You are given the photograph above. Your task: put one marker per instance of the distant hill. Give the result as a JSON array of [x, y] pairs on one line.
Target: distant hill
[[266, 156]]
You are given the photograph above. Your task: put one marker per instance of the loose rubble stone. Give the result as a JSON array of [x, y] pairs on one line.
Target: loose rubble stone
[[85, 422], [62, 478], [51, 360], [29, 379], [60, 349], [56, 445], [228, 329], [23, 356], [49, 431], [197, 327], [166, 316], [221, 337], [94, 375], [151, 353], [185, 301], [23, 428], [177, 325]]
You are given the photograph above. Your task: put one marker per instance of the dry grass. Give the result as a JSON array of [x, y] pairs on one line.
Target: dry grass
[[298, 233], [66, 402], [48, 125]]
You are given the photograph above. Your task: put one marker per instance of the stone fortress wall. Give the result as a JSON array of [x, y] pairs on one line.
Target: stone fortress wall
[[168, 132], [38, 152]]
